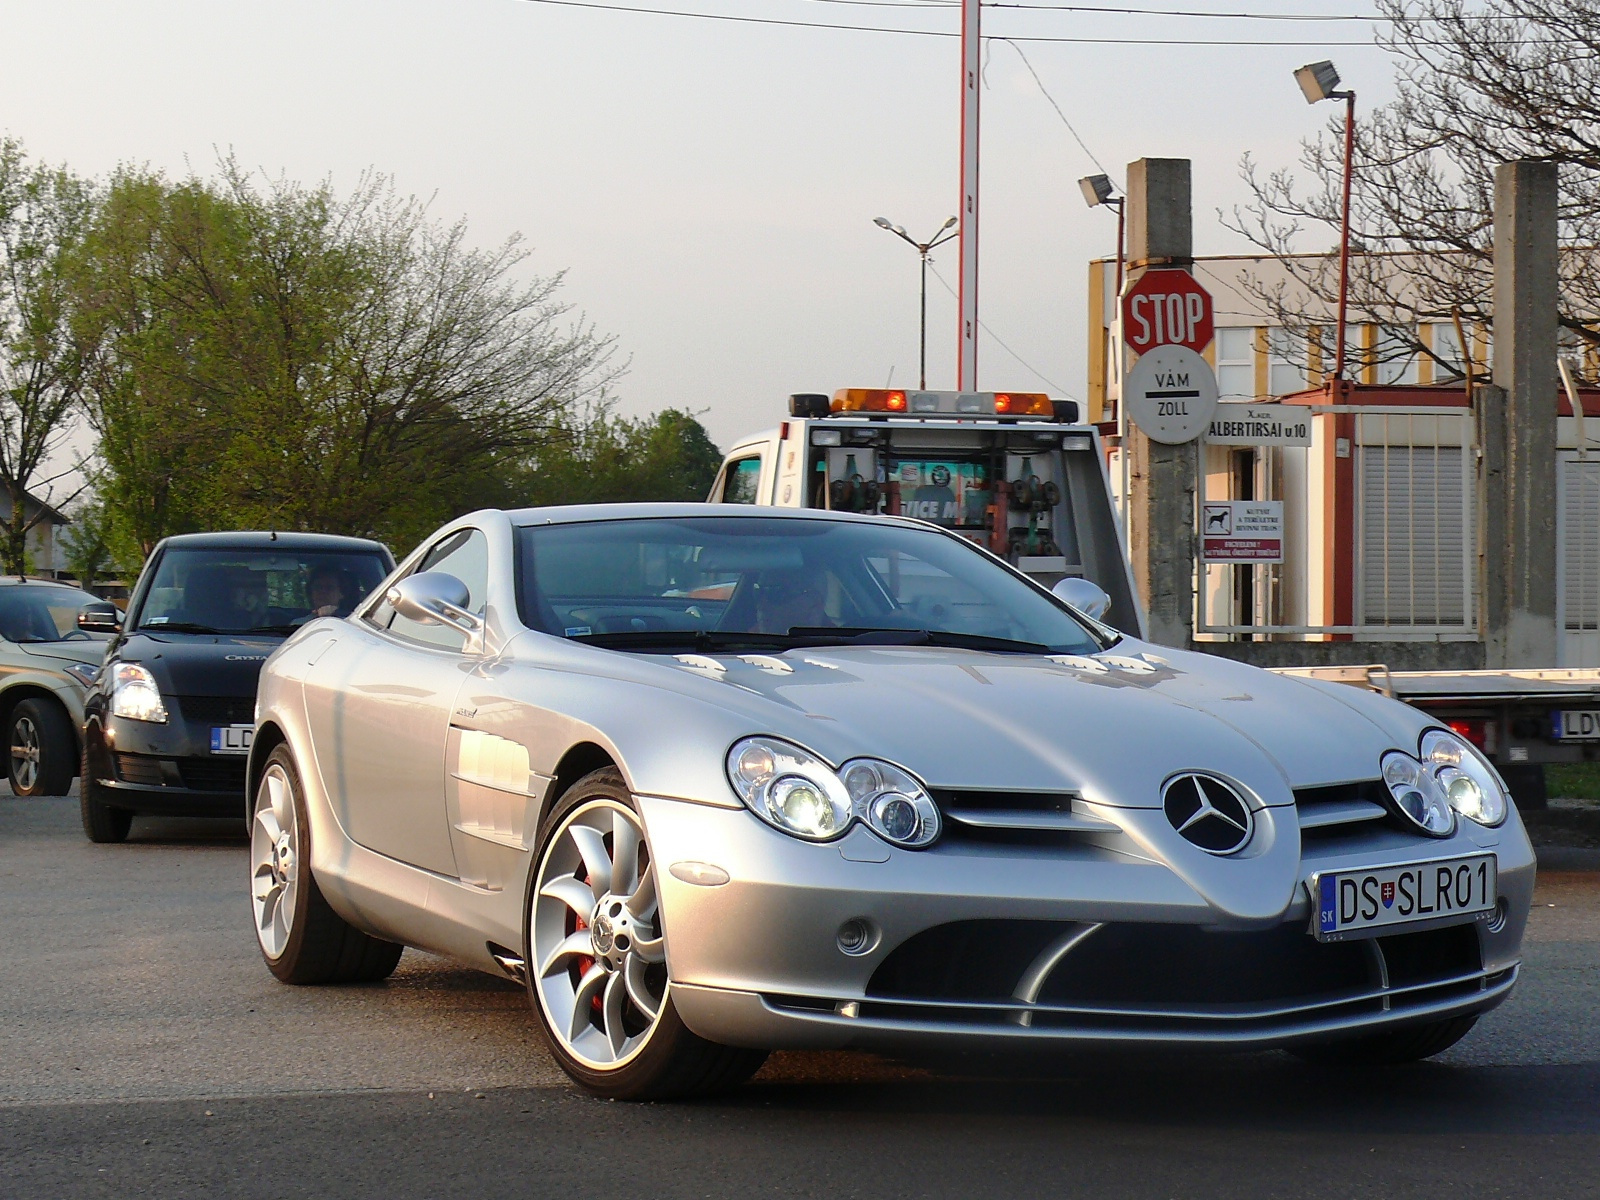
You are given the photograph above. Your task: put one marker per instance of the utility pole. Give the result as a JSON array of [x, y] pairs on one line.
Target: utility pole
[[1162, 477], [1517, 419], [971, 80]]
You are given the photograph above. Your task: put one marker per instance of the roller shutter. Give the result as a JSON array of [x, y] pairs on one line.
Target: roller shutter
[[1414, 565]]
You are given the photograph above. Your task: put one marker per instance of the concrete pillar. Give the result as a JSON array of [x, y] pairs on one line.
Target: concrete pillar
[[1520, 516], [1162, 478]]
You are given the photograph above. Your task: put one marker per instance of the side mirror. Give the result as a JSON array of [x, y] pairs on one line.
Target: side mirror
[[435, 598], [1084, 596], [99, 618]]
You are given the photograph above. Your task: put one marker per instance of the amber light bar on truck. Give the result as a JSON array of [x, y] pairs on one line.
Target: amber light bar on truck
[[947, 404]]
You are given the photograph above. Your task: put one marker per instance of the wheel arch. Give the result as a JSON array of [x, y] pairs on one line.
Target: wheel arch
[[18, 692], [581, 759], [268, 737]]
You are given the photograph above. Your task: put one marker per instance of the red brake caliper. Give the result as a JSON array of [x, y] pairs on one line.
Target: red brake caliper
[[584, 961]]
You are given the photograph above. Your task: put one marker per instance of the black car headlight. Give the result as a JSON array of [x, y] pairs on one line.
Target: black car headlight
[[134, 694], [793, 790]]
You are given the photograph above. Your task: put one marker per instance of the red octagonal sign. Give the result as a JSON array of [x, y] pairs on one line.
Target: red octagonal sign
[[1166, 308]]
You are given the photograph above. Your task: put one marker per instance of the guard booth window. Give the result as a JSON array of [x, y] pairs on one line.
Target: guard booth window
[[739, 485]]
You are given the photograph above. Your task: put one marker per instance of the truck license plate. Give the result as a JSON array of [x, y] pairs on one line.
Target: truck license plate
[[1577, 725], [231, 739], [1369, 903]]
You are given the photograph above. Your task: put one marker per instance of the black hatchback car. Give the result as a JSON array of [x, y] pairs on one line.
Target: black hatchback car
[[168, 720]]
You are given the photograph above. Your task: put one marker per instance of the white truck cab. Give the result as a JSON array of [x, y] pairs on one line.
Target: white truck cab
[[1015, 472]]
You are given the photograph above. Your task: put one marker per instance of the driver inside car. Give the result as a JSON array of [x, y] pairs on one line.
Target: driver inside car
[[791, 599]]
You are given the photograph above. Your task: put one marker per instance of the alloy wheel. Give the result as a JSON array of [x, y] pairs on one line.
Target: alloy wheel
[[25, 753], [274, 860], [598, 957]]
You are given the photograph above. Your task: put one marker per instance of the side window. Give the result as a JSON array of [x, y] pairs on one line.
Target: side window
[[739, 483], [464, 554]]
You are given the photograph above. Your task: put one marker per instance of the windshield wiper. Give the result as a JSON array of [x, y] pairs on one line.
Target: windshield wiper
[[177, 627], [702, 640], [823, 635], [285, 627]]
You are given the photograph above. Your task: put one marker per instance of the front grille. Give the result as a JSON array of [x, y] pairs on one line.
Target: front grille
[[1015, 818], [218, 710], [1341, 809], [137, 768], [1164, 974], [213, 775]]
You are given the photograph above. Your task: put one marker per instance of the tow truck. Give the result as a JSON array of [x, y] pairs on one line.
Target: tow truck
[[1024, 476], [1016, 472]]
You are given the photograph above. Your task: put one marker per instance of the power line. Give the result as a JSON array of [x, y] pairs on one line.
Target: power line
[[1035, 370], [1084, 146], [1032, 39], [1179, 12]]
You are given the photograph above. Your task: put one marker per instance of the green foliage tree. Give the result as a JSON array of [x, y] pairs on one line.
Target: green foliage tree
[[43, 215], [87, 543], [272, 355], [611, 459]]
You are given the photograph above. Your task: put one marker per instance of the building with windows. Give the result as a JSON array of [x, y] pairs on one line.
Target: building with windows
[[1381, 511]]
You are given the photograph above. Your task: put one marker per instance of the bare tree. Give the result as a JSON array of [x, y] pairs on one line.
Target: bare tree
[[43, 213], [1480, 83]]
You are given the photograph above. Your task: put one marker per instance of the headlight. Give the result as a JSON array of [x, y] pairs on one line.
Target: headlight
[[1417, 793], [1470, 785], [793, 790], [134, 694], [84, 673]]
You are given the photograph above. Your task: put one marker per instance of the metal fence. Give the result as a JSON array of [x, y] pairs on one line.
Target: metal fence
[[1410, 520]]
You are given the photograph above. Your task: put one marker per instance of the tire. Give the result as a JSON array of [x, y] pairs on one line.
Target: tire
[[39, 758], [1390, 1048], [300, 936], [102, 822], [594, 998]]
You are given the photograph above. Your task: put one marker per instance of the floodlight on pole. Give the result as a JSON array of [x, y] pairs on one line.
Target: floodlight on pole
[[1098, 191], [1320, 81], [922, 249]]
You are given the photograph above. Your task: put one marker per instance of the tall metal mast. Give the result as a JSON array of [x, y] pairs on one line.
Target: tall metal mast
[[971, 50]]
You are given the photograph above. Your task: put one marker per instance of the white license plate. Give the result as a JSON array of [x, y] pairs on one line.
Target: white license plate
[[231, 739], [1577, 725], [1350, 903]]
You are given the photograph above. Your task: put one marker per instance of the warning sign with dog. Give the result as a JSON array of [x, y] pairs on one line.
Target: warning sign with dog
[[1241, 531]]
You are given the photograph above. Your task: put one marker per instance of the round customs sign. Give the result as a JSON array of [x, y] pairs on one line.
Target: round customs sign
[[1171, 394]]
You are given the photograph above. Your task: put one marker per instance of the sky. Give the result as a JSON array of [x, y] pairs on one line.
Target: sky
[[707, 187]]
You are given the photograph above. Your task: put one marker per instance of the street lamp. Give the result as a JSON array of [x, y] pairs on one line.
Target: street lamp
[[1319, 81], [922, 249], [1097, 191]]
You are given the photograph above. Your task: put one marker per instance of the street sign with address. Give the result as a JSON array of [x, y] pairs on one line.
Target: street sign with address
[[1166, 307], [1170, 394], [1259, 425], [1241, 531]]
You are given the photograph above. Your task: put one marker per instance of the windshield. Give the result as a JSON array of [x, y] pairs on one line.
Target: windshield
[[42, 614], [666, 583], [220, 590]]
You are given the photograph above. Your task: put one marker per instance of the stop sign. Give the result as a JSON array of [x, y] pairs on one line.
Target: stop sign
[[1166, 308]]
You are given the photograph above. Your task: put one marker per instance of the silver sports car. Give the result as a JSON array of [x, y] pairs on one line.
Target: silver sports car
[[714, 782]]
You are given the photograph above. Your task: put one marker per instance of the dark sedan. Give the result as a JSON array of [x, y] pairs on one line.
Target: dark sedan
[[167, 723]]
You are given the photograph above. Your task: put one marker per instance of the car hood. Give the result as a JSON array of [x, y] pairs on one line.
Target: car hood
[[91, 651], [1112, 726], [201, 665]]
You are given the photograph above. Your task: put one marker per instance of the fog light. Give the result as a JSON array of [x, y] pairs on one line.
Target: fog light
[[1502, 913], [857, 936]]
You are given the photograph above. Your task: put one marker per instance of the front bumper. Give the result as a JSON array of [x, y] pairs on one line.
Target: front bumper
[[1081, 942], [165, 769]]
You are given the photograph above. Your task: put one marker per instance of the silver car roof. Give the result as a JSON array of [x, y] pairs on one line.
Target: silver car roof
[[571, 513]]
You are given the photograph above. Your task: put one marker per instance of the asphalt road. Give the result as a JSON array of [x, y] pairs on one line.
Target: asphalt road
[[144, 1050]]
